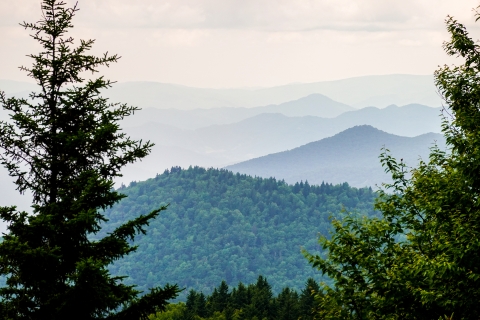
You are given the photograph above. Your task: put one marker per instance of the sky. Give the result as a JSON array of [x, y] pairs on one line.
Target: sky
[[249, 43]]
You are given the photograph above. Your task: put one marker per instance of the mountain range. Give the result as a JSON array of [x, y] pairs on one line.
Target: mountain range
[[263, 134], [312, 105], [237, 222], [352, 155], [358, 92], [236, 125], [349, 156]]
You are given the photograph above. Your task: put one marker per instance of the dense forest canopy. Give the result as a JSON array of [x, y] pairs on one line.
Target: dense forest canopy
[[252, 301], [225, 226]]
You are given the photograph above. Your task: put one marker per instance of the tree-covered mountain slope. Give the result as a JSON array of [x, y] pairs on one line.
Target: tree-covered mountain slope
[[225, 226], [351, 155]]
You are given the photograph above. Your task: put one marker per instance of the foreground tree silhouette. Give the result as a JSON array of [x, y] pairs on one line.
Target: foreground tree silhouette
[[421, 260], [64, 146]]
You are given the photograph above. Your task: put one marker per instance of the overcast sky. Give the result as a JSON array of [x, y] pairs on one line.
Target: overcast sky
[[249, 43]]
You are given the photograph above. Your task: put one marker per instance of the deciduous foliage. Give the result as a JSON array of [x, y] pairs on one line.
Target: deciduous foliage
[[64, 146], [421, 260]]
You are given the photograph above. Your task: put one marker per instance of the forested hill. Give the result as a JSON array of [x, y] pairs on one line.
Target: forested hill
[[225, 226]]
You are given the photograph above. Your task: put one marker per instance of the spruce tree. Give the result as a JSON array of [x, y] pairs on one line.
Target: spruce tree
[[64, 145], [287, 305], [190, 305], [239, 297], [307, 303], [262, 299], [201, 305]]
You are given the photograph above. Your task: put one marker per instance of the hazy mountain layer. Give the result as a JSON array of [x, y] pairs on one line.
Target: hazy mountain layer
[[379, 91], [222, 145], [352, 155], [11, 87], [9, 196], [312, 105], [359, 92]]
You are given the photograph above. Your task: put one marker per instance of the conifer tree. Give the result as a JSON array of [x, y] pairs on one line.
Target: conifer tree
[[64, 145], [201, 305], [239, 297], [220, 300], [262, 299], [190, 305], [307, 299], [287, 306]]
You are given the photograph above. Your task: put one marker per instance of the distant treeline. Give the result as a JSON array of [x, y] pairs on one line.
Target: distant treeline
[[225, 226], [254, 301]]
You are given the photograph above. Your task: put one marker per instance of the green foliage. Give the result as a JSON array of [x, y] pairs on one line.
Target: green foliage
[[421, 259], [221, 225], [255, 301], [64, 146], [173, 311]]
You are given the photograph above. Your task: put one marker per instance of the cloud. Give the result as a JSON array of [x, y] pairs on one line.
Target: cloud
[[275, 15], [268, 15], [218, 43]]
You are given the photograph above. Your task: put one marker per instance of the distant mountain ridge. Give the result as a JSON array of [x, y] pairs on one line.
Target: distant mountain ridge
[[377, 90], [352, 156], [315, 104], [311, 105], [224, 136], [12, 87], [222, 145]]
